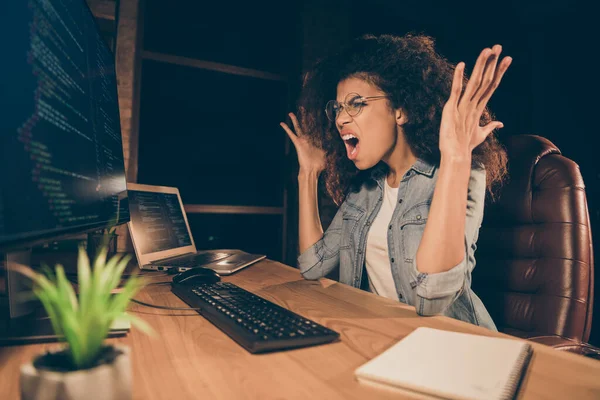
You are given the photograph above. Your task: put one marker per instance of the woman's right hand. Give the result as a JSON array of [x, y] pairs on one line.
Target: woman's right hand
[[310, 157]]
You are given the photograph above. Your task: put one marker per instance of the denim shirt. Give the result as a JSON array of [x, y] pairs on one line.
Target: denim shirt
[[344, 244]]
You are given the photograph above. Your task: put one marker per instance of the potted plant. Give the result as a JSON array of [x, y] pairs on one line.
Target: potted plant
[[86, 367]]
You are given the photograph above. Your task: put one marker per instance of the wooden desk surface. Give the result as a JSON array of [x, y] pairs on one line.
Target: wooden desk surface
[[192, 359]]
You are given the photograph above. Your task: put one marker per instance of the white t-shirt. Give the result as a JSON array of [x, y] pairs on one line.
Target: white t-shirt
[[377, 259]]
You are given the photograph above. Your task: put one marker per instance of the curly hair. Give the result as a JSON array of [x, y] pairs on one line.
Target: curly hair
[[416, 78]]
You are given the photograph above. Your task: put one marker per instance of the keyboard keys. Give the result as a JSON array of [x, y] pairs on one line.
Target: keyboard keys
[[255, 323]]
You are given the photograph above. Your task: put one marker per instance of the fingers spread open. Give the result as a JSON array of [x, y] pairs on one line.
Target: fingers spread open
[[499, 73], [296, 124], [456, 84], [476, 75], [289, 132], [485, 131], [488, 74]]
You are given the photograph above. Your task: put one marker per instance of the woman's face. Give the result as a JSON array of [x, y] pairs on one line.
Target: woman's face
[[371, 135]]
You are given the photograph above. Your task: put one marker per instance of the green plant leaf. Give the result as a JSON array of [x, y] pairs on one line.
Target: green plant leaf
[[83, 278], [84, 320], [48, 305], [121, 300], [116, 274], [48, 272], [66, 289], [106, 271], [140, 324]]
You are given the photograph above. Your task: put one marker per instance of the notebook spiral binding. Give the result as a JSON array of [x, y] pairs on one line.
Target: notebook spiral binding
[[517, 374]]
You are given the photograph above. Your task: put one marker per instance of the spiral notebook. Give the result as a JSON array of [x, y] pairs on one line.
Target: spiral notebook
[[433, 363]]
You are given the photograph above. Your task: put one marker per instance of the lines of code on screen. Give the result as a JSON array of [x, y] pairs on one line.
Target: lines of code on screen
[[62, 166], [157, 221]]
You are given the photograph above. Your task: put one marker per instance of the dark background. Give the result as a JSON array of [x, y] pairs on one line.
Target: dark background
[[216, 136]]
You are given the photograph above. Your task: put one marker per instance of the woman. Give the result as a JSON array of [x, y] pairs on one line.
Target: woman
[[407, 153]]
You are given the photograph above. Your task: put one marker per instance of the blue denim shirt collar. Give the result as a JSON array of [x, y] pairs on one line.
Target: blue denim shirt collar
[[420, 166]]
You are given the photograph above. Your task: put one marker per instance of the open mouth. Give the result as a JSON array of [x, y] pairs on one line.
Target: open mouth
[[352, 145]]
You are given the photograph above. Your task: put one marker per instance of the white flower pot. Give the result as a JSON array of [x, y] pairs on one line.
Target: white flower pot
[[104, 382]]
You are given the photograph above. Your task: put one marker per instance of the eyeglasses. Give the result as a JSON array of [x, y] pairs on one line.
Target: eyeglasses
[[353, 104]]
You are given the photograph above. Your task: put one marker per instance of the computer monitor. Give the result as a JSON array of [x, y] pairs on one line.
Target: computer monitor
[[62, 167]]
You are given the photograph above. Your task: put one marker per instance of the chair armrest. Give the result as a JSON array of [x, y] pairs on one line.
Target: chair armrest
[[572, 346]]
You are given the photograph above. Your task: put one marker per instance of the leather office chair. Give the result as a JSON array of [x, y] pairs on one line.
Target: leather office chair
[[534, 268]]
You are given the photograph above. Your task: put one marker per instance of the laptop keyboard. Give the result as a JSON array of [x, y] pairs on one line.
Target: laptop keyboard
[[193, 260], [256, 324]]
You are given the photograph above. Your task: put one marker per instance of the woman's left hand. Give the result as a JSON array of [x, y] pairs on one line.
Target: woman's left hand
[[460, 132]]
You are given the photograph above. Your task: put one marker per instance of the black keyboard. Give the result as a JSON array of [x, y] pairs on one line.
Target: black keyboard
[[192, 260], [256, 324]]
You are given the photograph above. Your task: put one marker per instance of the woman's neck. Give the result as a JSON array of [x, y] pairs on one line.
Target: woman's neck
[[399, 160]]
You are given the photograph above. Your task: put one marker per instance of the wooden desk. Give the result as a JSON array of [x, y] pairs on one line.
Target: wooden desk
[[191, 359]]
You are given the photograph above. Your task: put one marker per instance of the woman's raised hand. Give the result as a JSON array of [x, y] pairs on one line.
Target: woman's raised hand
[[310, 157], [460, 132]]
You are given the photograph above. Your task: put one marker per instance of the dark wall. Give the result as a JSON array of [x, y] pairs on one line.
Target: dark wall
[[212, 130]]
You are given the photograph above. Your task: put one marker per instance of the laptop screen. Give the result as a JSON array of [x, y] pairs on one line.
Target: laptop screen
[[160, 217]]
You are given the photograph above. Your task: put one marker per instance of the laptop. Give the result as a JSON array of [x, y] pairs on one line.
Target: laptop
[[162, 238]]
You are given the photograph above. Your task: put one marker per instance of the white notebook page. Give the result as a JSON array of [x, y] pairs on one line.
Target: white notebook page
[[449, 364]]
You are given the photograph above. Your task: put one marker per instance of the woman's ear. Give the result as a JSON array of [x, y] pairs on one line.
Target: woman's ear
[[401, 117]]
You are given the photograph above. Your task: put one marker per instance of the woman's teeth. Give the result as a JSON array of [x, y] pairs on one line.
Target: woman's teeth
[[350, 139], [351, 143]]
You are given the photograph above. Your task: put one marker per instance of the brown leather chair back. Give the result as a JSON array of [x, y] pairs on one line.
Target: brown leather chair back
[[534, 269]]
